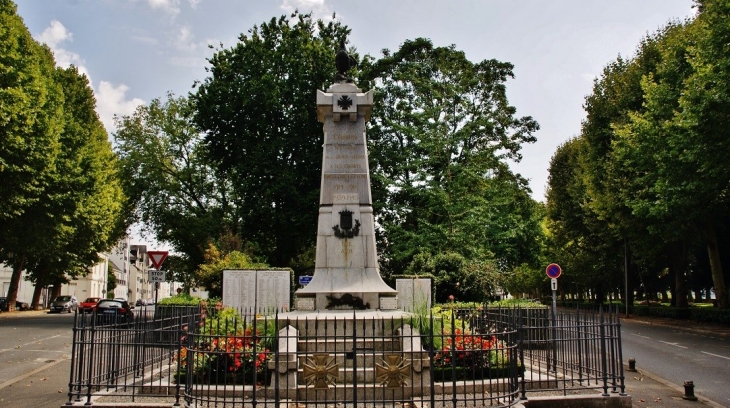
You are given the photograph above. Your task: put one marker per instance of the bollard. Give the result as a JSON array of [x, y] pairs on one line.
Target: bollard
[[689, 391], [632, 364]]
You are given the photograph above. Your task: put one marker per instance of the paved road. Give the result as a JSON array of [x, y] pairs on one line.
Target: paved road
[[35, 348], [678, 355]]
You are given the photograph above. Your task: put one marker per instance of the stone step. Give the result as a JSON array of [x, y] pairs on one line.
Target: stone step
[[348, 360], [342, 323], [319, 345]]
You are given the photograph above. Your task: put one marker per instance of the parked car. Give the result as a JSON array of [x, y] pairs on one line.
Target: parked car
[[64, 303], [141, 302], [87, 306], [113, 311], [19, 304]]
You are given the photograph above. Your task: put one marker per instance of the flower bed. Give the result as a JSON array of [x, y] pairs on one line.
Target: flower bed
[[466, 356], [228, 350]]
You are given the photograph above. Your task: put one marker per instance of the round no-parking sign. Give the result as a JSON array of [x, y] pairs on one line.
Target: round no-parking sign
[[553, 271]]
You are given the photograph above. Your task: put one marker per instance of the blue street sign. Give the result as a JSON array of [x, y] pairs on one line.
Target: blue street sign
[[553, 271], [304, 280]]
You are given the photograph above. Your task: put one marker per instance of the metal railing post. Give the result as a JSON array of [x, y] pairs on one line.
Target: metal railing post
[[604, 364]]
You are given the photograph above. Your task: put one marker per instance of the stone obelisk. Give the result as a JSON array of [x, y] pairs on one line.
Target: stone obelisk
[[347, 274]]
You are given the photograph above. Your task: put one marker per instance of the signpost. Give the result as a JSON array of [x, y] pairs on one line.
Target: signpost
[[304, 280], [156, 276], [157, 258], [553, 271]]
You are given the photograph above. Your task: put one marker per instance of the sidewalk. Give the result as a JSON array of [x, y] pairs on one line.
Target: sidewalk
[[24, 313], [648, 391]]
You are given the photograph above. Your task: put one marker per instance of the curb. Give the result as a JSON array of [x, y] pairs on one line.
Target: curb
[[24, 313], [678, 388]]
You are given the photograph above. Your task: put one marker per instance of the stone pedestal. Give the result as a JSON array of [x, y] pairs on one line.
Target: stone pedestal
[[347, 275]]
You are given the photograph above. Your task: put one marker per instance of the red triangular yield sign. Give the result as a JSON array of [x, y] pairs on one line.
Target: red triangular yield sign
[[157, 258]]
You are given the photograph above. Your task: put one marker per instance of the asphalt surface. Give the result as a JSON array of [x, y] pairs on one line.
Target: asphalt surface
[[43, 361], [646, 389]]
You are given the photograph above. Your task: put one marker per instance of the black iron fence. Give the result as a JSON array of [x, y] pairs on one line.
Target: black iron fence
[[226, 358]]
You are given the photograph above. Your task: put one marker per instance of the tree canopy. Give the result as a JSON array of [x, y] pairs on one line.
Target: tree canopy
[[62, 202], [259, 119], [439, 137], [651, 168]]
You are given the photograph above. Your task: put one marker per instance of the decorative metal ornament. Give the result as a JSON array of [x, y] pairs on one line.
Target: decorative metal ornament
[[344, 102], [345, 229], [394, 372], [321, 371]]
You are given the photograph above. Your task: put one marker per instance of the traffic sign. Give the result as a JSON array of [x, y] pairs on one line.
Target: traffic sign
[[157, 258], [156, 276], [554, 284], [553, 270], [304, 280]]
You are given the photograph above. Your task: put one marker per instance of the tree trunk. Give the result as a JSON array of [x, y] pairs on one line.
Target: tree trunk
[[12, 295], [56, 289], [718, 279], [678, 266], [630, 277], [34, 305]]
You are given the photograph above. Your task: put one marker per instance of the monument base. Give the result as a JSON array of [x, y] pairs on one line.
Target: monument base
[[344, 289]]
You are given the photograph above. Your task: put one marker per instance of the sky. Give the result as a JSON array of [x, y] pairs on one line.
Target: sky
[[136, 50]]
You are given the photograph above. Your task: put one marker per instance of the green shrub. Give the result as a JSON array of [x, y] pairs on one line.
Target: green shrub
[[517, 303], [698, 314], [182, 299]]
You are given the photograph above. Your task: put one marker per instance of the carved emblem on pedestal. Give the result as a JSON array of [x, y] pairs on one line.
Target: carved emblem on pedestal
[[320, 370], [344, 102], [394, 371], [345, 228]]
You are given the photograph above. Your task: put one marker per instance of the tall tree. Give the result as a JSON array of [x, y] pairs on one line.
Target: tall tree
[[85, 199], [687, 101], [704, 115], [641, 165], [441, 131], [616, 173], [261, 128], [30, 126], [581, 242], [178, 195]]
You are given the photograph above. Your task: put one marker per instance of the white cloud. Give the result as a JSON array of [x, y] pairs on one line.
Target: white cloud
[[169, 6], [54, 36], [110, 101], [190, 53], [319, 8], [109, 98], [183, 39]]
